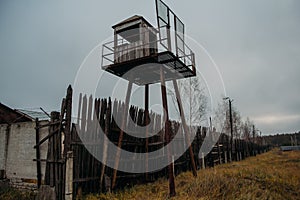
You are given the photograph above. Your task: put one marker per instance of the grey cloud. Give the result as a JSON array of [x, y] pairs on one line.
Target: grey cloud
[[255, 43]]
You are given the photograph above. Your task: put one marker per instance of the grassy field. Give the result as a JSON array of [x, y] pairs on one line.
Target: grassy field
[[273, 175], [8, 193]]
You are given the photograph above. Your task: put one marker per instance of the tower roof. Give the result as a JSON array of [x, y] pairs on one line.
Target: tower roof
[[132, 19]]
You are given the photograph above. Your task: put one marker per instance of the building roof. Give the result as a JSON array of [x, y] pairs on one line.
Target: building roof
[[9, 115], [290, 148], [34, 114]]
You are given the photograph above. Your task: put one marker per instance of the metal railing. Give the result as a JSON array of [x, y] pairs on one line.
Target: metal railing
[[126, 51]]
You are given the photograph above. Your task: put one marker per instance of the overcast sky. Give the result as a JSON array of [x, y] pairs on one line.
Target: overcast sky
[[256, 45]]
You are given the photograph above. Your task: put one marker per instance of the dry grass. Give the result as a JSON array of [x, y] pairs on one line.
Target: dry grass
[[273, 175], [8, 193]]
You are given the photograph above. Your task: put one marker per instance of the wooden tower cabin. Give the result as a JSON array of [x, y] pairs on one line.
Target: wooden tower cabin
[[145, 55], [134, 38]]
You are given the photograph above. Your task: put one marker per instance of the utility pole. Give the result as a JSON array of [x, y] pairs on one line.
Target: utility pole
[[253, 140], [253, 133], [231, 123]]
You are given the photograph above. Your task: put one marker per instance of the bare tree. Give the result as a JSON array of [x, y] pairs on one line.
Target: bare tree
[[222, 119], [222, 122], [237, 124], [194, 100], [246, 129]]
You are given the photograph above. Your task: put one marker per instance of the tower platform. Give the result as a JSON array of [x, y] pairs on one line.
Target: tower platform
[[146, 70]]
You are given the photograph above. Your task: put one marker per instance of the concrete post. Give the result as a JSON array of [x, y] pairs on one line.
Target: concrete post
[[203, 161], [173, 161], [69, 176]]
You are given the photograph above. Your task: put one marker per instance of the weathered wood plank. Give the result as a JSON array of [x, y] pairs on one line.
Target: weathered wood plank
[[67, 127], [38, 155], [105, 142]]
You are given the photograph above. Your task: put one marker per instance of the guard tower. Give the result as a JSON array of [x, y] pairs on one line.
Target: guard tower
[[145, 55]]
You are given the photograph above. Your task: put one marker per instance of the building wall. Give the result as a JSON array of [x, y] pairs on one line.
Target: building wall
[[3, 129], [20, 168]]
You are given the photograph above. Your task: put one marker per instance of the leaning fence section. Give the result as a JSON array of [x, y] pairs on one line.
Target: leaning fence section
[[58, 141]]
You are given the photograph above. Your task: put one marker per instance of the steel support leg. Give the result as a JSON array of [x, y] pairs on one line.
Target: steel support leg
[[146, 124], [167, 132], [185, 127]]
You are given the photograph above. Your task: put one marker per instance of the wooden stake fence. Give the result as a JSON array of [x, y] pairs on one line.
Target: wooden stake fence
[[90, 175]]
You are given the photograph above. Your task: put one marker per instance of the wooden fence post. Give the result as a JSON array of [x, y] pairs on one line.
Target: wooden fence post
[[67, 129]]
